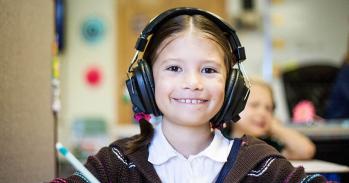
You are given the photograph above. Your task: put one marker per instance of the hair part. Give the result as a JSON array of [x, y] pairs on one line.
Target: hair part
[[187, 23]]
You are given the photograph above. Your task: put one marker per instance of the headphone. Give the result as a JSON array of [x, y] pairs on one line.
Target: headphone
[[141, 86]]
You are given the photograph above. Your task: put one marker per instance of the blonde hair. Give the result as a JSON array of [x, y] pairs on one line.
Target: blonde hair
[[260, 82]]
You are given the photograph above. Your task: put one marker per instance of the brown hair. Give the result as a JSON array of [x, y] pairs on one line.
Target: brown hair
[[171, 28]]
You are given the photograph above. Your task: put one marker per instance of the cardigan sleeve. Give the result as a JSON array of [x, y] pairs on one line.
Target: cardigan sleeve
[[276, 169], [99, 165]]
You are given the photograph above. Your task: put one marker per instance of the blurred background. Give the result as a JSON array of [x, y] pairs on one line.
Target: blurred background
[[63, 66]]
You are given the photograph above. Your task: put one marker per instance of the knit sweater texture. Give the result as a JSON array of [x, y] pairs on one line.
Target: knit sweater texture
[[255, 162]]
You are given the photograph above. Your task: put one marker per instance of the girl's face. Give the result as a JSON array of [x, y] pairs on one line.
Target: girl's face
[[189, 74], [257, 115]]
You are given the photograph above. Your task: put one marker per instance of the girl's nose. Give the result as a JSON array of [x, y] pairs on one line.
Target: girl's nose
[[193, 81]]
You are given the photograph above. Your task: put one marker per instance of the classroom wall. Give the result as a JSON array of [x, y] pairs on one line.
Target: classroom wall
[[26, 121], [306, 32], [292, 33], [300, 31], [87, 101]]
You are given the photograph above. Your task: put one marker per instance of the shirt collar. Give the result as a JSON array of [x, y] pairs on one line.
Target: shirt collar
[[160, 151], [219, 148]]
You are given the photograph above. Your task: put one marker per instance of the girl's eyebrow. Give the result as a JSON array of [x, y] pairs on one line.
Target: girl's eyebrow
[[172, 59], [167, 60], [208, 61], [214, 63]]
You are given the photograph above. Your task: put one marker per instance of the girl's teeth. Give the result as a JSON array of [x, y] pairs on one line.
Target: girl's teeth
[[188, 101]]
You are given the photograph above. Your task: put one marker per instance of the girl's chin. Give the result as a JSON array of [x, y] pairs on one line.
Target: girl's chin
[[189, 120], [259, 133]]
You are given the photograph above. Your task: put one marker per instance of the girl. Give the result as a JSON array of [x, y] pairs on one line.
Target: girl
[[257, 120], [190, 59]]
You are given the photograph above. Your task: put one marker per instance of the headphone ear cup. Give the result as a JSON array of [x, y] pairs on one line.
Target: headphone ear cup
[[236, 95], [149, 88], [141, 89], [132, 87], [241, 93]]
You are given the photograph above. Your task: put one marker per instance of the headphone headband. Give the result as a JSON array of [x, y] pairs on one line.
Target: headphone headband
[[141, 84], [156, 22]]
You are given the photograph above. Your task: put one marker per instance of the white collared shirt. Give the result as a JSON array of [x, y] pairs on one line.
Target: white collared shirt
[[173, 167]]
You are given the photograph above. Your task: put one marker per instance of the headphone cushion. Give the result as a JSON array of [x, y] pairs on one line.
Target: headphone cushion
[[234, 100], [135, 97], [149, 87], [241, 92], [142, 89]]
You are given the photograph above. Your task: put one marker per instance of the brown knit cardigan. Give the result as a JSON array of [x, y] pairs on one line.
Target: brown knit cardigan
[[255, 162]]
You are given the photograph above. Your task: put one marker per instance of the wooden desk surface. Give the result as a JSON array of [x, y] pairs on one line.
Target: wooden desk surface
[[319, 166]]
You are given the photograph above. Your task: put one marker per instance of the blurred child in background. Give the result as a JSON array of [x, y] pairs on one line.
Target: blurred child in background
[[257, 120]]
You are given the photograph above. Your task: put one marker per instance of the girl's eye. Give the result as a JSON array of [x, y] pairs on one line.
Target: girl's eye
[[209, 70], [174, 69]]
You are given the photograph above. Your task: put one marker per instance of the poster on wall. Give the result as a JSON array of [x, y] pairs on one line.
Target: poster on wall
[[93, 30]]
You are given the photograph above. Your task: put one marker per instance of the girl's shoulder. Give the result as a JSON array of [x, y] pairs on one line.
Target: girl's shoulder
[[251, 146], [116, 163], [110, 163], [259, 162], [122, 143], [118, 149]]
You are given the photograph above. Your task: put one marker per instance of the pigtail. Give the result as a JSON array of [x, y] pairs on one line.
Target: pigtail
[[144, 138], [226, 129]]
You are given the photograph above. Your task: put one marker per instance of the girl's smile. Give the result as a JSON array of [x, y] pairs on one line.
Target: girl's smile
[[189, 100]]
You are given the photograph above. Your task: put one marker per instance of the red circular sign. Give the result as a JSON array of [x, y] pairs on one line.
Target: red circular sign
[[93, 76]]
